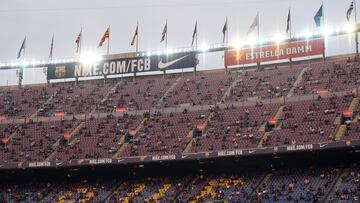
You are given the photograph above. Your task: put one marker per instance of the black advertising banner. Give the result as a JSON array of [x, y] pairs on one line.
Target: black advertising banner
[[122, 65]]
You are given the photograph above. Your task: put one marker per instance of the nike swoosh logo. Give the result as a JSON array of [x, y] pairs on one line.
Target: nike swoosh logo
[[251, 151], [323, 145], [163, 65]]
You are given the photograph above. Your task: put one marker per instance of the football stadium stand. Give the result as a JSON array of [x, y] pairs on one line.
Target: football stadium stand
[[308, 106]]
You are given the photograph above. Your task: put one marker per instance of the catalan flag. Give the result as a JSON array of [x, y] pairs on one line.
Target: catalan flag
[[105, 36]]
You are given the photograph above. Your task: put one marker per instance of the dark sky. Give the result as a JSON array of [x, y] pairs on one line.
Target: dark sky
[[38, 20]]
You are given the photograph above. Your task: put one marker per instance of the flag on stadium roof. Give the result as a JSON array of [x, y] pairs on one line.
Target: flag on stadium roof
[[288, 24], [135, 35], [78, 41], [225, 28], [318, 16], [164, 32], [194, 34], [348, 13], [105, 36], [51, 47], [22, 49], [254, 24]]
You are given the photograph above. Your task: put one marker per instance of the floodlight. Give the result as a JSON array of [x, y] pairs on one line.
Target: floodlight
[[278, 38], [204, 47], [350, 27], [237, 44], [89, 58]]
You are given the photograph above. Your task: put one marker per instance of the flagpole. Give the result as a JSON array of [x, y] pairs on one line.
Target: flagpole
[[24, 48], [356, 32], [137, 37], [323, 27], [166, 35], [196, 39], [290, 32], [137, 44], [196, 45], [108, 47], [258, 35], [258, 28], [21, 69], [80, 43], [166, 45], [227, 40], [290, 24], [227, 31], [51, 48]]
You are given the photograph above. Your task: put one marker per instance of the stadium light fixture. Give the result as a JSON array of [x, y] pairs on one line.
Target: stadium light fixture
[[278, 38], [252, 41], [89, 58], [308, 34], [34, 63], [327, 31], [237, 44], [350, 27], [266, 40], [23, 64], [261, 41], [159, 52], [337, 30], [204, 47]]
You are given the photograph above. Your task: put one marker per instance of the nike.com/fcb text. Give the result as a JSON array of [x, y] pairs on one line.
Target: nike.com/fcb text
[[113, 67]]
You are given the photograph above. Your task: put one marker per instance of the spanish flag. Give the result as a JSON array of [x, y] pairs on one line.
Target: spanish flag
[[105, 36], [135, 35]]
